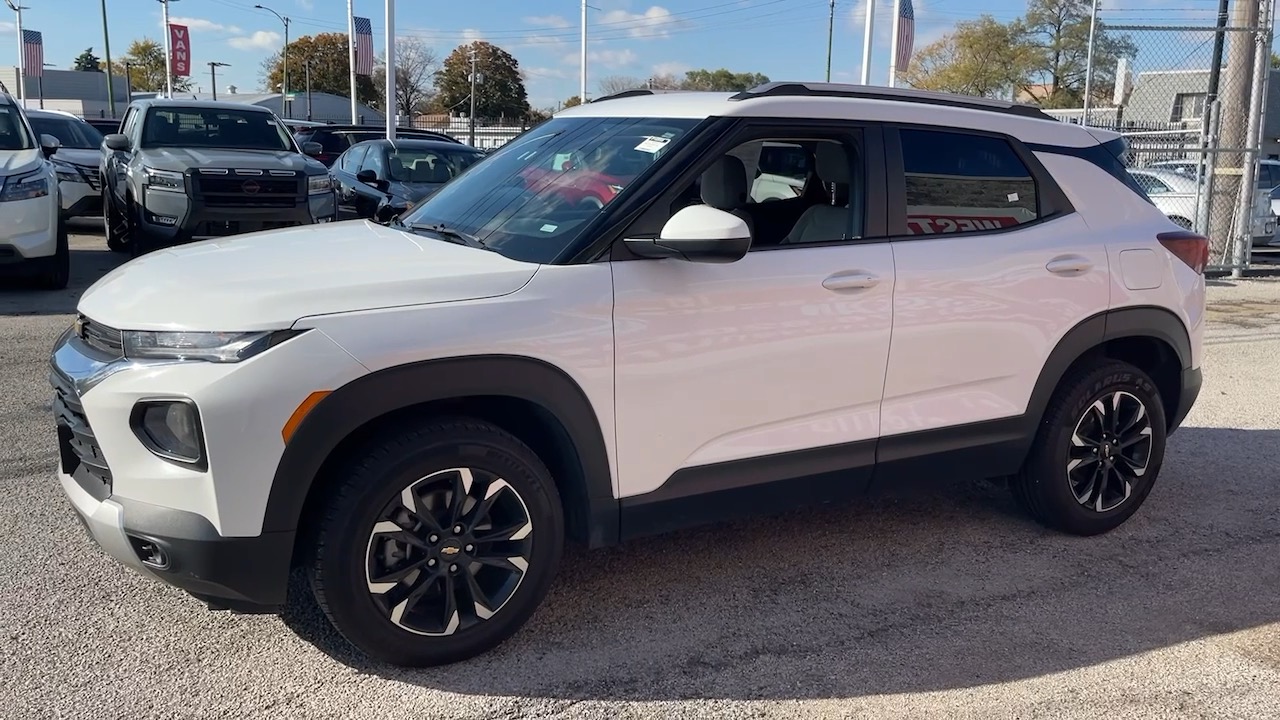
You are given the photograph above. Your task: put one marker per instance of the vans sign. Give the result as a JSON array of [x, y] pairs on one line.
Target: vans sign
[[179, 50]]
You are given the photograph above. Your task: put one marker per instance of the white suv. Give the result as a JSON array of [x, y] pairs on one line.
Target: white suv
[[421, 414], [33, 235]]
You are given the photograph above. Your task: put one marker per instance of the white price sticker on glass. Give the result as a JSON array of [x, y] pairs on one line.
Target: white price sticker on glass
[[653, 144]]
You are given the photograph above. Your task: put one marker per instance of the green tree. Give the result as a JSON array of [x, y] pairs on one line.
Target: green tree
[[500, 91], [983, 57], [146, 62], [330, 63], [721, 80], [1275, 61], [87, 62], [1058, 32]]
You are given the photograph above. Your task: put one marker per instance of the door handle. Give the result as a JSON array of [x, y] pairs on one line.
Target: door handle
[[851, 281], [1068, 265]]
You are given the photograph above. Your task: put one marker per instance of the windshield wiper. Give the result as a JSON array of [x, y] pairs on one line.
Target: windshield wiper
[[452, 235]]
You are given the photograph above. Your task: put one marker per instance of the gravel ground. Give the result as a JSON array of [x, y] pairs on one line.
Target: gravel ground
[[947, 603]]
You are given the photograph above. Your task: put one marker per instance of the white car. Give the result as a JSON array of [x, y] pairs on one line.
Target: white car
[[1173, 192], [33, 236], [1265, 209], [76, 162], [420, 415]]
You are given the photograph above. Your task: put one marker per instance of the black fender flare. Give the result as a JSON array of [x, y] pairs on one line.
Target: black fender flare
[[371, 396], [1091, 333]]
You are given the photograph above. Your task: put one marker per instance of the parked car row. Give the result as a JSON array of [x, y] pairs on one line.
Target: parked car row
[[1172, 185]]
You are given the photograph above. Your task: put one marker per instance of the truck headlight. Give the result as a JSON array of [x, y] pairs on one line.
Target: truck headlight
[[222, 347], [164, 180], [24, 188], [317, 184]]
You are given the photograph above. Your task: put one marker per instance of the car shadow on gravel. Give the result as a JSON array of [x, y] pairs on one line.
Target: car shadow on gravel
[[18, 297], [945, 588]]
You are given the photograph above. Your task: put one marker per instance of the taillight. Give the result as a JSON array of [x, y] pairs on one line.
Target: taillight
[[1189, 247]]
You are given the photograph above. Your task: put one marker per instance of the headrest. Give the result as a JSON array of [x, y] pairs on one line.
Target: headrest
[[724, 184], [832, 163]]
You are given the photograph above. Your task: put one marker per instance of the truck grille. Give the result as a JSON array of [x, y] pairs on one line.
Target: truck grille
[[224, 228], [77, 447], [249, 188], [104, 339], [93, 176]]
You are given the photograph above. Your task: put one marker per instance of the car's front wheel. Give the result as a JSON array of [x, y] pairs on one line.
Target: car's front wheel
[[438, 543], [114, 224], [1098, 451]]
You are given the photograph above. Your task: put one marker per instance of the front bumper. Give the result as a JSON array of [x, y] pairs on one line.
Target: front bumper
[[28, 229], [171, 218], [80, 199], [204, 523]]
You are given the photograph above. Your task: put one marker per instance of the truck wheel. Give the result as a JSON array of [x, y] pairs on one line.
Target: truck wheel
[[114, 225], [1098, 452], [139, 244], [58, 271], [439, 543]]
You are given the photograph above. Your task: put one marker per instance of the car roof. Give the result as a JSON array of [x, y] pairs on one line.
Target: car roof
[[848, 101], [53, 114], [199, 104], [1163, 173]]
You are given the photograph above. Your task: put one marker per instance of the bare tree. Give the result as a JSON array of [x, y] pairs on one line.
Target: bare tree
[[619, 83], [416, 68]]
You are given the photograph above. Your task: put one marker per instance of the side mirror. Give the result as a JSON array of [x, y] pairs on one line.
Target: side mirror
[[116, 142], [313, 149], [698, 233], [49, 145], [368, 177]]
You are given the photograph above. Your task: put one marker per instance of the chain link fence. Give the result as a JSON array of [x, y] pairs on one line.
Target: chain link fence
[[1192, 104]]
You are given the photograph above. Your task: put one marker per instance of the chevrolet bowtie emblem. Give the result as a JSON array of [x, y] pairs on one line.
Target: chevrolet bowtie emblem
[[449, 550]]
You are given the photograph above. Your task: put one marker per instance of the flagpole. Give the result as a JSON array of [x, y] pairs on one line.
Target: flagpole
[[351, 51], [866, 42], [168, 52], [390, 103], [893, 47], [22, 51]]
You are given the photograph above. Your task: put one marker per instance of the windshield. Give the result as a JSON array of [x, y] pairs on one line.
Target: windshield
[[204, 128], [531, 199], [71, 133], [422, 165], [13, 132]]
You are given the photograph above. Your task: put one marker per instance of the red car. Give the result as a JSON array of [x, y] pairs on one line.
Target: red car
[[596, 174]]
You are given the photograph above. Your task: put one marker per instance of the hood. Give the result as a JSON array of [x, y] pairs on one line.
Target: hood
[[15, 162], [78, 156], [180, 159], [269, 280]]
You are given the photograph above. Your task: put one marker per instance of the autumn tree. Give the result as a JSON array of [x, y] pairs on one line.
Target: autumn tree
[[1058, 33], [721, 80], [416, 67], [500, 91], [328, 55], [983, 57], [146, 62], [573, 101], [87, 62]]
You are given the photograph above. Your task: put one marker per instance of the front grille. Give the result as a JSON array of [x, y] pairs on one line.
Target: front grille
[[243, 188], [223, 228], [100, 337], [93, 176], [77, 447]]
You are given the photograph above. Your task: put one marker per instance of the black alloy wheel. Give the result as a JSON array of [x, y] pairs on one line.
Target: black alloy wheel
[[1110, 451]]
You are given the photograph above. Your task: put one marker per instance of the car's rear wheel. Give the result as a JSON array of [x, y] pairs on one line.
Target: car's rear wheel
[[57, 272], [438, 544], [1098, 452]]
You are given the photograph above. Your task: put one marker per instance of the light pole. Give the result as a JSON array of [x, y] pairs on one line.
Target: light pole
[[106, 44], [213, 75], [128, 83], [284, 61], [168, 53], [306, 64], [22, 63], [390, 104], [40, 85]]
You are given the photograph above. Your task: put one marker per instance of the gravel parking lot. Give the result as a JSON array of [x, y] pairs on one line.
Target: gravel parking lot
[[938, 603]]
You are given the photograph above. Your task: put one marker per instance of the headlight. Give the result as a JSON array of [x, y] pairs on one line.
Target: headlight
[[66, 173], [165, 180], [223, 347], [24, 188], [317, 184]]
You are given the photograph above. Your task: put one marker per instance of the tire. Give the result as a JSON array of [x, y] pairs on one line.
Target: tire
[[1056, 484], [1181, 222], [114, 225], [58, 270], [353, 565], [138, 244]]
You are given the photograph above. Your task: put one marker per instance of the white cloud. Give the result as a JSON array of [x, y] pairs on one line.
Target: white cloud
[[195, 24], [306, 4], [554, 21], [656, 22], [544, 73], [676, 69], [471, 35], [261, 40], [605, 58], [7, 27]]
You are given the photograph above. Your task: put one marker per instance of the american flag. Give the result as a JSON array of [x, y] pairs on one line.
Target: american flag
[[364, 46], [33, 53], [906, 35]]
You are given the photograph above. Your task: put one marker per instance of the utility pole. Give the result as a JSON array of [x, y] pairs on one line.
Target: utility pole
[[106, 45], [1229, 197], [284, 61], [831, 28], [391, 70], [582, 58], [213, 76], [471, 116], [866, 42], [1088, 64], [307, 69], [22, 62], [351, 56], [128, 84], [168, 53]]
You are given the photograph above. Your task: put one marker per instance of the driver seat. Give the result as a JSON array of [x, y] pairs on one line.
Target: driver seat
[[829, 220], [723, 186]]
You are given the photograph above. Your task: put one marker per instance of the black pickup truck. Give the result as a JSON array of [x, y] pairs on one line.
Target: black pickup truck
[[186, 170]]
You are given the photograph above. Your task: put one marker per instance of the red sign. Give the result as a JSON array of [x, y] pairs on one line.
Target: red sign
[[933, 224], [179, 50]]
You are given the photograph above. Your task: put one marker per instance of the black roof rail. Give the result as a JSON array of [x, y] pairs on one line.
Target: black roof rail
[[634, 93], [872, 92]]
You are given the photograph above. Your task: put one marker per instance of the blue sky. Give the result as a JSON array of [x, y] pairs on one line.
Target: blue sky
[[784, 39]]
